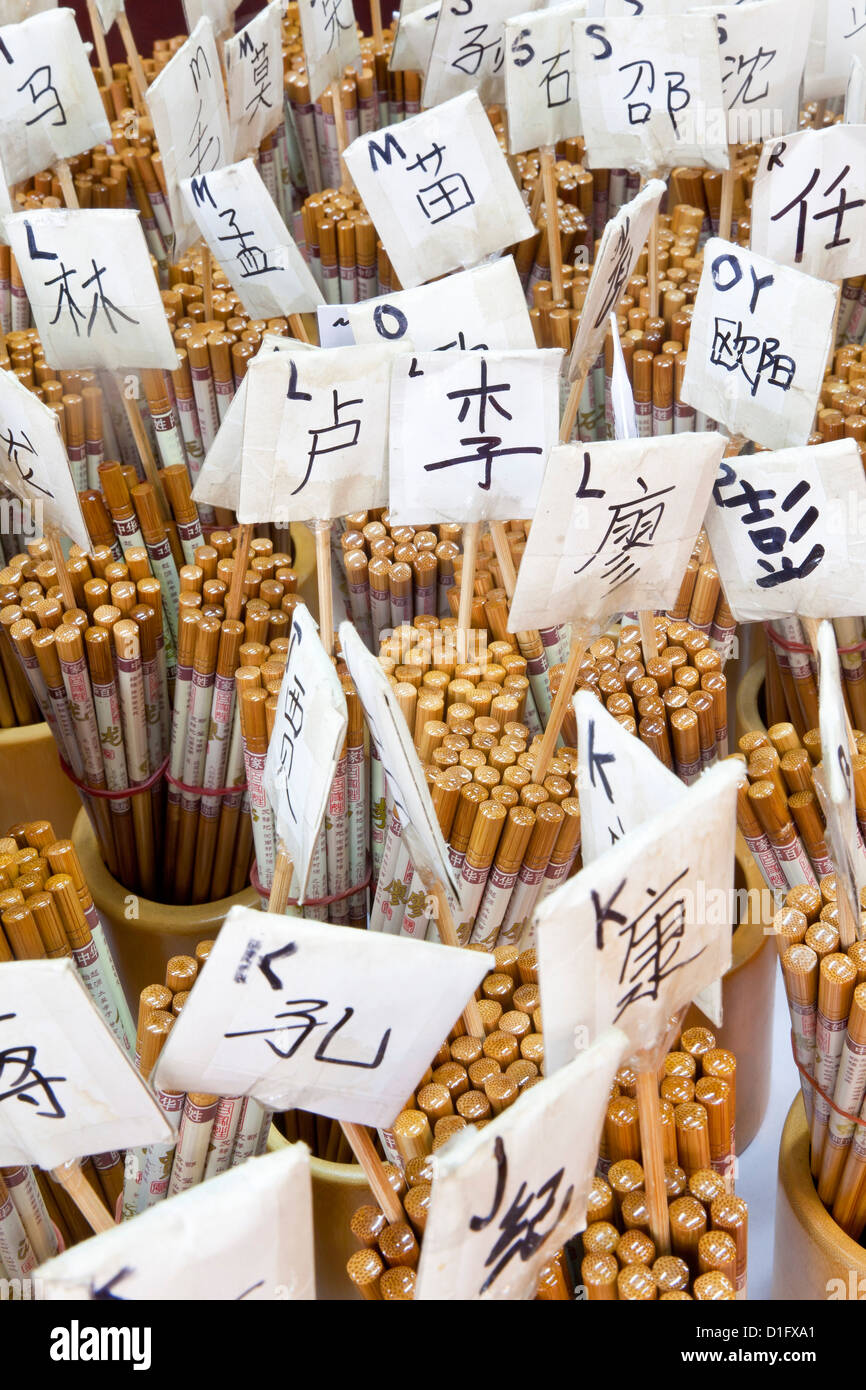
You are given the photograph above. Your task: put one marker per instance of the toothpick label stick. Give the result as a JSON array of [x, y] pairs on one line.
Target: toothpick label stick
[[809, 201], [750, 366], [470, 434], [66, 1086], [506, 1197], [838, 35], [299, 1013], [219, 480], [473, 310], [247, 1234], [187, 105], [237, 218], [399, 759], [468, 51], [330, 454], [633, 937], [614, 528], [838, 802], [642, 106], [254, 77], [540, 85], [621, 245], [33, 462], [91, 288], [439, 190], [50, 107], [330, 36], [304, 750], [787, 533]]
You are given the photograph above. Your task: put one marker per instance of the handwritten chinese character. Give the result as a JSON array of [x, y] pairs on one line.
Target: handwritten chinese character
[[304, 1011], [29, 1081], [771, 540], [487, 447], [632, 527], [652, 939], [14, 448], [837, 211], [520, 1234]]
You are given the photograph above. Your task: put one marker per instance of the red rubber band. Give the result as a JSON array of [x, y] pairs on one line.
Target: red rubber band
[[204, 791], [313, 902], [787, 646], [106, 795], [846, 1114]]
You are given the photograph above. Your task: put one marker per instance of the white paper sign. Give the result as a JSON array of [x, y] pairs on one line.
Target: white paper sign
[[506, 1197], [787, 532], [187, 105], [237, 218], [330, 454], [245, 1235], [50, 107], [219, 480], [67, 1088], [301, 1013], [540, 85], [413, 43], [13, 11], [254, 77], [855, 93], [470, 434], [621, 245], [304, 749], [219, 12], [644, 105], [408, 786], [763, 49], [809, 202], [621, 783], [92, 289], [468, 51], [330, 41], [614, 528], [439, 190], [750, 366], [634, 936], [838, 803], [335, 330], [108, 11], [473, 310], [838, 35], [33, 462]]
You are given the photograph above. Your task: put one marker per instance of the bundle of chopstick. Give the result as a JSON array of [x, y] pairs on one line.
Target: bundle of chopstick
[[469, 1081], [791, 689], [213, 1133], [825, 983], [47, 913], [139, 671], [708, 1222], [779, 811]]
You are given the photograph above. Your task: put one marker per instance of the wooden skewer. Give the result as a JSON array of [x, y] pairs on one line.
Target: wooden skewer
[[652, 1157], [134, 59], [100, 44], [281, 883], [653, 268], [347, 184], [503, 557], [726, 211], [362, 1147], [579, 642], [236, 592], [52, 535], [376, 17], [448, 936], [298, 327], [323, 575], [76, 1186], [142, 444], [467, 585], [67, 187], [548, 177], [646, 621]]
